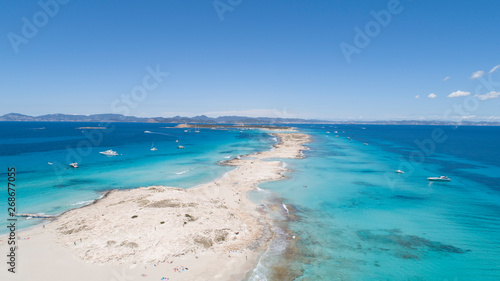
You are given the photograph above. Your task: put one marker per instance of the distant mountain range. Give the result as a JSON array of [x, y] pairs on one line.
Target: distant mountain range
[[218, 120], [177, 119]]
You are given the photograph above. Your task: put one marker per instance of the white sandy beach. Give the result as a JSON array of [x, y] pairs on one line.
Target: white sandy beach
[[209, 232]]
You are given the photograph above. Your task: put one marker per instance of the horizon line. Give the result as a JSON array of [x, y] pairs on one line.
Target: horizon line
[[461, 120]]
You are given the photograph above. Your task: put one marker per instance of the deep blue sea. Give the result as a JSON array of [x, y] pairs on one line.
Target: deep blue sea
[[354, 218]]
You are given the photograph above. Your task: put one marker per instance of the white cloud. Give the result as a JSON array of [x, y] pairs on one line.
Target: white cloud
[[446, 78], [477, 74], [495, 68], [417, 96], [458, 94], [487, 96], [468, 117], [432, 96]]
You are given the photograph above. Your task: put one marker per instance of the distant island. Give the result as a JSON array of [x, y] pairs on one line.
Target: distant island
[[229, 126], [238, 120]]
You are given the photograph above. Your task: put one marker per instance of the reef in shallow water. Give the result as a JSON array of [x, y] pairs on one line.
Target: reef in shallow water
[[398, 241]]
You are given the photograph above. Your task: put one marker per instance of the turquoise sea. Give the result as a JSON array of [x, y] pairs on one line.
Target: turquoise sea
[[356, 219], [353, 217], [53, 189]]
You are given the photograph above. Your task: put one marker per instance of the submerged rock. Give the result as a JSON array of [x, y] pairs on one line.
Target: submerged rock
[[397, 239]]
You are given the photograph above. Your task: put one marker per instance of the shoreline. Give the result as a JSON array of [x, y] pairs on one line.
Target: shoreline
[[152, 231]]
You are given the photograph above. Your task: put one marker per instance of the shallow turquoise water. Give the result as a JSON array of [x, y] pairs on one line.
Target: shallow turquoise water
[[52, 189], [356, 219], [359, 220]]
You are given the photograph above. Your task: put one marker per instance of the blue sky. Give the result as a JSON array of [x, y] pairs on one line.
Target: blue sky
[[254, 58]]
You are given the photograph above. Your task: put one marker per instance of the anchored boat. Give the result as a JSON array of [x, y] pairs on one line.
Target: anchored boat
[[109, 152], [441, 178]]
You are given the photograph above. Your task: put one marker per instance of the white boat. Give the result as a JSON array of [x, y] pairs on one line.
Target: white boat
[[153, 148], [179, 146], [50, 163], [74, 165], [147, 132], [441, 178], [109, 152], [399, 172]]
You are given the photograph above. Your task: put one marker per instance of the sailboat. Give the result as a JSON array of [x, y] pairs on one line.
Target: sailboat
[[153, 148], [196, 130]]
